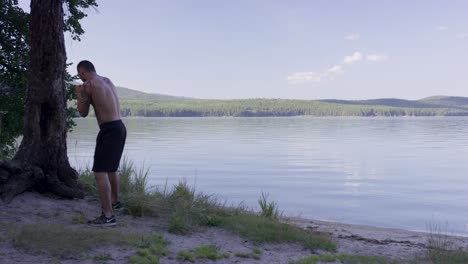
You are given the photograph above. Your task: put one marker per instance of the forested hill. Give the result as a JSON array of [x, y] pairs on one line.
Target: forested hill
[[136, 103], [129, 94]]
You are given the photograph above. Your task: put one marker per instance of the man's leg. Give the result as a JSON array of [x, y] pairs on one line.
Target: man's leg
[[115, 185], [104, 188]]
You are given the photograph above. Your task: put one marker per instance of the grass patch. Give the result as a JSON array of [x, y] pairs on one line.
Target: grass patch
[[133, 187], [150, 249], [103, 257], [247, 255], [79, 219], [440, 249], [7, 231], [348, 259], [89, 182], [134, 190], [125, 174], [64, 242], [181, 200], [269, 209], [260, 229], [186, 210], [440, 256], [182, 207], [210, 252], [144, 258], [186, 256], [189, 210], [256, 253], [156, 245]]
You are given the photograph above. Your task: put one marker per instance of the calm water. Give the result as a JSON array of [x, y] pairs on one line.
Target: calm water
[[393, 172]]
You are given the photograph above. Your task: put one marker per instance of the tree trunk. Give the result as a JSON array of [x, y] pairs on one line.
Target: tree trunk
[[42, 162]]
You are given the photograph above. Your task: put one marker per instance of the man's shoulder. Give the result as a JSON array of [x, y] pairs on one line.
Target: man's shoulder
[[102, 81], [98, 81], [107, 80]]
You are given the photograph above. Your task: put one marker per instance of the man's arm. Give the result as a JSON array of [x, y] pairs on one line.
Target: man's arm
[[83, 100]]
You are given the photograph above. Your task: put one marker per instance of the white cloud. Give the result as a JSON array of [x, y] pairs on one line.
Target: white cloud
[[302, 77], [377, 57], [462, 35], [441, 28], [334, 71], [357, 56], [353, 36]]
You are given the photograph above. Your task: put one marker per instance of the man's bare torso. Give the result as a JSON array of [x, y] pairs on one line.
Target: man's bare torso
[[103, 97]]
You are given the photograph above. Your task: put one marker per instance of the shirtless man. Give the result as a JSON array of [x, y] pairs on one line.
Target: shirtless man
[[99, 92]]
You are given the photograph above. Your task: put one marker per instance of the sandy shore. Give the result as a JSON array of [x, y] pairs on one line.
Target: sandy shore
[[376, 241], [32, 208]]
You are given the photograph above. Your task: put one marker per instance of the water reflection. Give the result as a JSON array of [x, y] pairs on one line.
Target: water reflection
[[395, 172]]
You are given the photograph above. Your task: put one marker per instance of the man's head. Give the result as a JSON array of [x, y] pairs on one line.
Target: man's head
[[86, 70]]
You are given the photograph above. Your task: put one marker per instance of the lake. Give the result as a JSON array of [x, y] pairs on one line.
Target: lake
[[407, 173]]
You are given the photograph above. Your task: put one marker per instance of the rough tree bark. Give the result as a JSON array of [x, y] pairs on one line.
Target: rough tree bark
[[42, 162]]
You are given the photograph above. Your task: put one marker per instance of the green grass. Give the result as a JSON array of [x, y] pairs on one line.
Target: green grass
[[150, 249], [103, 257], [134, 190], [210, 252], [260, 229], [185, 256], [185, 210], [181, 200], [256, 253], [125, 174], [144, 258], [156, 244], [441, 256], [189, 210], [140, 180], [7, 231], [65, 242], [79, 219], [88, 181], [182, 207], [440, 250], [268, 209], [348, 259]]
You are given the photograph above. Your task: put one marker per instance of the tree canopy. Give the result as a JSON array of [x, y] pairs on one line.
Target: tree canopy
[[14, 62]]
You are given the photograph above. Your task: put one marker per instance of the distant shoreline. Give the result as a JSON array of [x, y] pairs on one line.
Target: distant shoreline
[[136, 103]]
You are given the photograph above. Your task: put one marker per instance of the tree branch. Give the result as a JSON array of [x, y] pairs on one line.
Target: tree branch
[[6, 90]]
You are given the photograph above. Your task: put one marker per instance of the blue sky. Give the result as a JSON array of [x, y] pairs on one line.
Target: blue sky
[[279, 49]]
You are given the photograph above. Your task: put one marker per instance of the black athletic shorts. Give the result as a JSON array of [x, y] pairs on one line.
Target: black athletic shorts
[[109, 146]]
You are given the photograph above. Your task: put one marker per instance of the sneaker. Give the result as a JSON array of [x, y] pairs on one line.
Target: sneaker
[[118, 205], [102, 220]]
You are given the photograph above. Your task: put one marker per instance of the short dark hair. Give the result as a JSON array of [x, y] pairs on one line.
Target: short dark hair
[[86, 65]]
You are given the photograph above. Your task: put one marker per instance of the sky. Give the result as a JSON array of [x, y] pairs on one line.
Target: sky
[[311, 49]]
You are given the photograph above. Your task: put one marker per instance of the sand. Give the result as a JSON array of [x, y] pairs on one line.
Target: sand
[[32, 208]]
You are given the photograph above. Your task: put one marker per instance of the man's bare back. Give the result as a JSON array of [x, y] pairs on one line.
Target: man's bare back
[[101, 93]]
